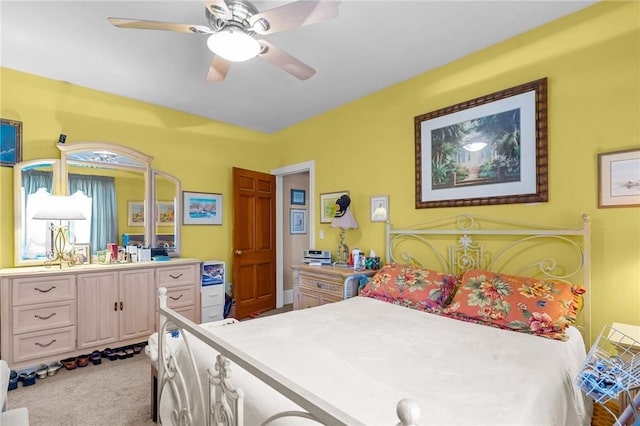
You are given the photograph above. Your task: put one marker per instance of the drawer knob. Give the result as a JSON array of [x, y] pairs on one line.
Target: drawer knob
[[45, 318], [45, 291], [176, 298], [175, 277], [44, 345]]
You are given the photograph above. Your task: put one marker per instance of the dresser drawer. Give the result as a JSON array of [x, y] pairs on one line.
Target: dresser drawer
[[177, 276], [189, 312], [212, 295], [180, 296], [330, 286], [212, 313], [43, 316], [43, 344], [309, 298], [27, 291]]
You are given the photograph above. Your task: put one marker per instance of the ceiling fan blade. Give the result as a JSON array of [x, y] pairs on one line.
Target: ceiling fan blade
[[292, 15], [284, 61], [218, 7], [159, 25], [218, 69]]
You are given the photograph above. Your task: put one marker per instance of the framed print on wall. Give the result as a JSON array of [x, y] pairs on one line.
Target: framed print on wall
[[488, 150], [297, 221], [619, 179], [201, 208], [328, 205], [10, 142], [298, 197], [135, 213], [379, 208]]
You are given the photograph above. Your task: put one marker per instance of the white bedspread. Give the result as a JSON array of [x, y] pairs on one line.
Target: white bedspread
[[363, 356]]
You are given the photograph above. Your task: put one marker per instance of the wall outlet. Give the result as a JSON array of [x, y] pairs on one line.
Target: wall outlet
[[321, 234]]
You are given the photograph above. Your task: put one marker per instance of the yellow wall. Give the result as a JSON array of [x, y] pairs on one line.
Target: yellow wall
[[591, 60], [196, 150]]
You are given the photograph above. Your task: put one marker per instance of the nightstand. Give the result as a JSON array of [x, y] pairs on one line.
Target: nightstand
[[317, 285]]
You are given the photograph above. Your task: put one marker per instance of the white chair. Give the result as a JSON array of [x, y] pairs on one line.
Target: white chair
[[17, 416]]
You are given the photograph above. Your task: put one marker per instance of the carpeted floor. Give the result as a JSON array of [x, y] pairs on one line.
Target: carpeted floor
[[112, 393]]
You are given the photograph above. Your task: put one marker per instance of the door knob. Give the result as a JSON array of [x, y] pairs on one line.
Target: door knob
[[238, 252]]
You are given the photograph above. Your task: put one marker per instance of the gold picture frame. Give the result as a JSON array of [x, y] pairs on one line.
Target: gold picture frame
[[328, 205]]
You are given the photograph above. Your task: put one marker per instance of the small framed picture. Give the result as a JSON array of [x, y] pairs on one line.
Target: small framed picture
[[298, 221], [81, 254], [328, 205], [166, 213], [201, 208], [10, 142], [298, 197], [135, 213], [619, 178], [379, 208]]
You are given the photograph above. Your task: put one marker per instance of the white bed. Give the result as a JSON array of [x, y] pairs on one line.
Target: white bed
[[351, 362]]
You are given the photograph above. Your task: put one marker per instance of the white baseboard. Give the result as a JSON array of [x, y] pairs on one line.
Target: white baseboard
[[287, 297]]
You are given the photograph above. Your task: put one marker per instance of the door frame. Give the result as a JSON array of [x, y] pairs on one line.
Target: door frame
[[307, 166]]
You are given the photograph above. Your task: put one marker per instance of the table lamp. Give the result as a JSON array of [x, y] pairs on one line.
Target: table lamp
[[344, 220], [62, 209]]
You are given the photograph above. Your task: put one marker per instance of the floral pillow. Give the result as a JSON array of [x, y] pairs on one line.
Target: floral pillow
[[527, 305], [411, 286]]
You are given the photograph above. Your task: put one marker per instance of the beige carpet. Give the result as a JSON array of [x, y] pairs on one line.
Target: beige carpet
[[112, 393]]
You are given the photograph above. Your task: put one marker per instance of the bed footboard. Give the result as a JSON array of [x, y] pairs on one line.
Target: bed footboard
[[221, 403]]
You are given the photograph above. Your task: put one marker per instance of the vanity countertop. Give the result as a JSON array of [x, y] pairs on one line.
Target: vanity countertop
[[29, 270]]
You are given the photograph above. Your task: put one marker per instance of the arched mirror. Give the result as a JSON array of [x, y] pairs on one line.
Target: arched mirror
[[32, 180], [121, 206]]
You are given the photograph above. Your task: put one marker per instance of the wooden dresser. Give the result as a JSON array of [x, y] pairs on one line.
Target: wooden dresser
[[50, 313], [317, 285]]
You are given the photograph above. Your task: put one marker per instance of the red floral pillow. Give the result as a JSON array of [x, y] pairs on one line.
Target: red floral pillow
[[528, 305], [411, 286]]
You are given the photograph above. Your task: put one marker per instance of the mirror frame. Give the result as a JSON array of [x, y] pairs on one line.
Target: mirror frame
[[17, 204], [79, 147], [61, 187], [177, 205]]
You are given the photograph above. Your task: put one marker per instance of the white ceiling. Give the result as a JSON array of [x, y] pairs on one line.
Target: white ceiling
[[369, 46]]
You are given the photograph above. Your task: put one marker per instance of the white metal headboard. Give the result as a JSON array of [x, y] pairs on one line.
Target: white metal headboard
[[456, 243]]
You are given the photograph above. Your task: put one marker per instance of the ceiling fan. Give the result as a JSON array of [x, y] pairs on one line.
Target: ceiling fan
[[232, 25]]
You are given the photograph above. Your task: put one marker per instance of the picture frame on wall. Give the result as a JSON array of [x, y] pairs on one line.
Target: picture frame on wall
[[379, 208], [135, 213], [297, 221], [201, 208], [328, 205], [619, 178], [10, 142], [298, 197], [488, 150]]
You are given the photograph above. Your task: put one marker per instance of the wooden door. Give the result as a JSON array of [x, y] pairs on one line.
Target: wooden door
[[254, 242]]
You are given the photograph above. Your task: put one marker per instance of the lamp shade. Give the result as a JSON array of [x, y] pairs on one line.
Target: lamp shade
[[233, 45], [57, 207], [346, 221]]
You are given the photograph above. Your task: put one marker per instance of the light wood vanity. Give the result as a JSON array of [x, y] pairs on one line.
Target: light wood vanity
[[50, 313]]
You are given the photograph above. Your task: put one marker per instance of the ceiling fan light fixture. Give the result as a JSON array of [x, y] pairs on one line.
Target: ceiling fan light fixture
[[233, 45]]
